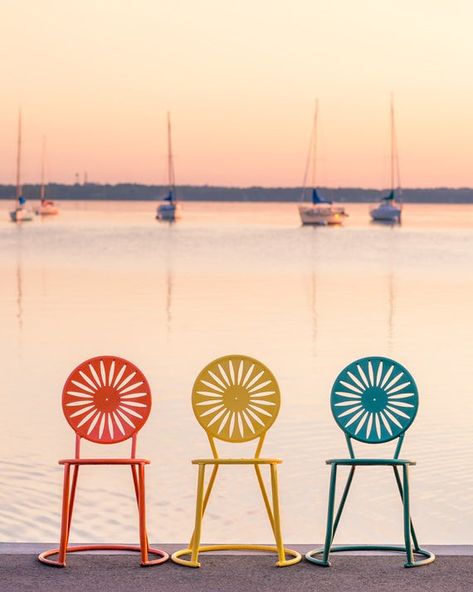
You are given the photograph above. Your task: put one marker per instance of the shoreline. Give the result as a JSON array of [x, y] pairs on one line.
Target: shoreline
[[255, 194]]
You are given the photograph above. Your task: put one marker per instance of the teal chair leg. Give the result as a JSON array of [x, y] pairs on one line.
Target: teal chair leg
[[332, 524], [342, 501], [331, 505], [404, 493], [401, 493], [411, 546], [329, 533], [407, 517]]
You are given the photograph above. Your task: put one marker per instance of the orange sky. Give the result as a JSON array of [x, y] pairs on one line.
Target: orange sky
[[240, 78]]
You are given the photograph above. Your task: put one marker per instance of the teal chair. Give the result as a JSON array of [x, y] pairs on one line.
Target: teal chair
[[374, 400]]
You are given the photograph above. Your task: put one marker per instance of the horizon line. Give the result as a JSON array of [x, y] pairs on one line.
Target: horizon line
[[267, 187]]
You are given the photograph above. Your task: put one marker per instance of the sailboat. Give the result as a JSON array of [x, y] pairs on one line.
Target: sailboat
[[46, 207], [170, 208], [390, 207], [321, 211], [21, 213]]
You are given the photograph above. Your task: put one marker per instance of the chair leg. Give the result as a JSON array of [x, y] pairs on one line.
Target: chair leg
[[199, 507], [276, 515], [332, 524], [67, 507], [342, 501], [331, 504], [194, 548], [264, 493], [65, 516], [208, 491], [134, 472], [142, 515], [410, 540], [135, 483], [75, 474], [407, 516], [401, 493]]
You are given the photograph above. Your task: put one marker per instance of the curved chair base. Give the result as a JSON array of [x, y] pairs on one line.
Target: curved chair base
[[429, 557], [44, 556], [176, 557]]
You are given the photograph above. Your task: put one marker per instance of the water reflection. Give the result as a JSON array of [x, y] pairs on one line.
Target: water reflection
[[19, 292], [19, 279], [169, 274], [314, 257], [387, 223], [169, 291], [234, 277], [391, 310], [313, 310]]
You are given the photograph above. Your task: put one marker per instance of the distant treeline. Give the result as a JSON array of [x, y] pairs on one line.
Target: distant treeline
[[134, 191]]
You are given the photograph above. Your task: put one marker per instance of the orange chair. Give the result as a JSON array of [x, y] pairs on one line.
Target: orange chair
[[105, 400]]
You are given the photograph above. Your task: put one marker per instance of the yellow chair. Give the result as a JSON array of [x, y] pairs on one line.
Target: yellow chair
[[236, 399]]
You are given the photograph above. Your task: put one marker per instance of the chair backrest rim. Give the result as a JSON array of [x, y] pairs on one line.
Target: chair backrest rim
[[357, 403], [110, 408], [228, 400]]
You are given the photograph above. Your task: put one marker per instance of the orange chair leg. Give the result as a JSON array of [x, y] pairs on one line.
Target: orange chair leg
[[137, 493], [142, 515], [69, 490], [72, 496], [135, 483], [65, 516]]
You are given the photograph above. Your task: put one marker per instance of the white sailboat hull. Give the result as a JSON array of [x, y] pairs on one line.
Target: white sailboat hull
[[386, 213], [21, 215], [168, 211], [322, 214], [48, 209]]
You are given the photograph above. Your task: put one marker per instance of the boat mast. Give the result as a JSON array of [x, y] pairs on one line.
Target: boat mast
[[314, 143], [392, 144], [171, 178], [395, 170], [43, 157], [18, 160], [311, 154]]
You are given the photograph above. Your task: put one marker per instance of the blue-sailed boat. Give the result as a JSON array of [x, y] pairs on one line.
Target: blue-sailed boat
[[389, 209], [320, 212], [21, 213]]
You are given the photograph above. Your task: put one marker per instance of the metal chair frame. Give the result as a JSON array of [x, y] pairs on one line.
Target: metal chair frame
[[239, 425], [99, 383], [367, 404]]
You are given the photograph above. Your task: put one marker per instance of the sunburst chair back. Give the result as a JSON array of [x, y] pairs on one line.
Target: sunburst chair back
[[374, 400], [236, 399], [105, 400]]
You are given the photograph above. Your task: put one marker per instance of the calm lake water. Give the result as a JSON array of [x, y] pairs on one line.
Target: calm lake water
[[235, 278]]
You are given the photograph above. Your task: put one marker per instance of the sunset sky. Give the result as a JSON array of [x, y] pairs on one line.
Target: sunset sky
[[240, 79]]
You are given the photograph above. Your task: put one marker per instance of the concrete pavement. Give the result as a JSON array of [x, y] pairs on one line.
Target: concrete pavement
[[234, 573]]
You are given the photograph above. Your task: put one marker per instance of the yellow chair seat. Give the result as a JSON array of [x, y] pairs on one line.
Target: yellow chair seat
[[236, 461]]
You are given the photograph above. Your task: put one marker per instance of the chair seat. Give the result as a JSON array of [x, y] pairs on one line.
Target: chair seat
[[236, 461], [104, 461], [392, 462]]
